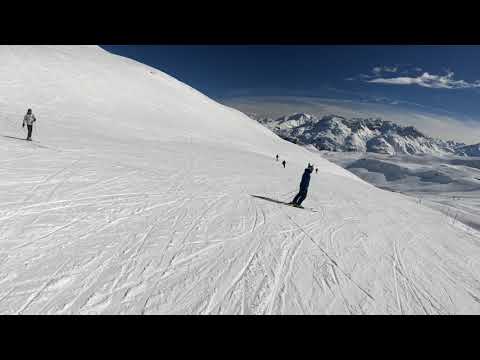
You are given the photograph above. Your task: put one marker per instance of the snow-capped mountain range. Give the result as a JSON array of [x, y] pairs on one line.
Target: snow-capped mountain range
[[337, 133]]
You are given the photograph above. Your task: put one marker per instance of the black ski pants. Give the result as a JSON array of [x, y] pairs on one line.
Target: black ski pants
[[302, 195]]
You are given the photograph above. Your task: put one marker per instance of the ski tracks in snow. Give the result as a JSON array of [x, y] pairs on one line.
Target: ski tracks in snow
[[90, 236]]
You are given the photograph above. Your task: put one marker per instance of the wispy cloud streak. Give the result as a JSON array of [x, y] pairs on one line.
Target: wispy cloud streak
[[414, 76], [429, 81]]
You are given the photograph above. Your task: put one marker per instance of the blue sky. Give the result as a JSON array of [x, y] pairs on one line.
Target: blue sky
[[433, 80]]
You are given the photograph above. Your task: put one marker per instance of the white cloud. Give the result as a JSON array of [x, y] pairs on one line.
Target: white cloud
[[429, 81], [414, 76], [383, 69], [376, 72]]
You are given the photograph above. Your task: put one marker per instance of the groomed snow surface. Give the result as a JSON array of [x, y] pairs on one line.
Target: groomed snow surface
[[135, 198]]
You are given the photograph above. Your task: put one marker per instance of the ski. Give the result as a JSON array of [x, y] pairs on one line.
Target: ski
[[284, 203]]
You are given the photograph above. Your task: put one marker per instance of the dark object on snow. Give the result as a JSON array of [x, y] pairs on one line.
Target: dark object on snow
[[316, 171], [277, 157], [269, 199], [302, 194], [28, 120], [282, 202], [284, 163]]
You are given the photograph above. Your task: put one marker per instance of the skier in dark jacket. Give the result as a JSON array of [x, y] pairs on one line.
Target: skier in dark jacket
[[28, 120], [284, 163], [277, 157], [302, 194]]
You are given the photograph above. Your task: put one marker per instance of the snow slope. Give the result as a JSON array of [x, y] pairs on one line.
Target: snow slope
[[136, 200]]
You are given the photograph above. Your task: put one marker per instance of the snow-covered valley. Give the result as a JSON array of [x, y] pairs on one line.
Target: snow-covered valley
[[450, 184], [136, 198]]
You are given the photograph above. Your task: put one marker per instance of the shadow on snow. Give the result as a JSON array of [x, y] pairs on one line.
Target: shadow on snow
[[14, 137], [270, 199]]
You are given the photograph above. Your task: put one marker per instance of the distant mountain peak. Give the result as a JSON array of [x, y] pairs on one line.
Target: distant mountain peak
[[469, 150], [297, 116], [373, 134]]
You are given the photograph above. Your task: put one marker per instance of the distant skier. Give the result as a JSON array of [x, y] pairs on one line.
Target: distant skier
[[29, 119], [316, 171], [284, 163], [302, 194], [277, 157]]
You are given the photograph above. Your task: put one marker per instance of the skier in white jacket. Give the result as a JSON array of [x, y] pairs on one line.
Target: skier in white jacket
[[29, 119]]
